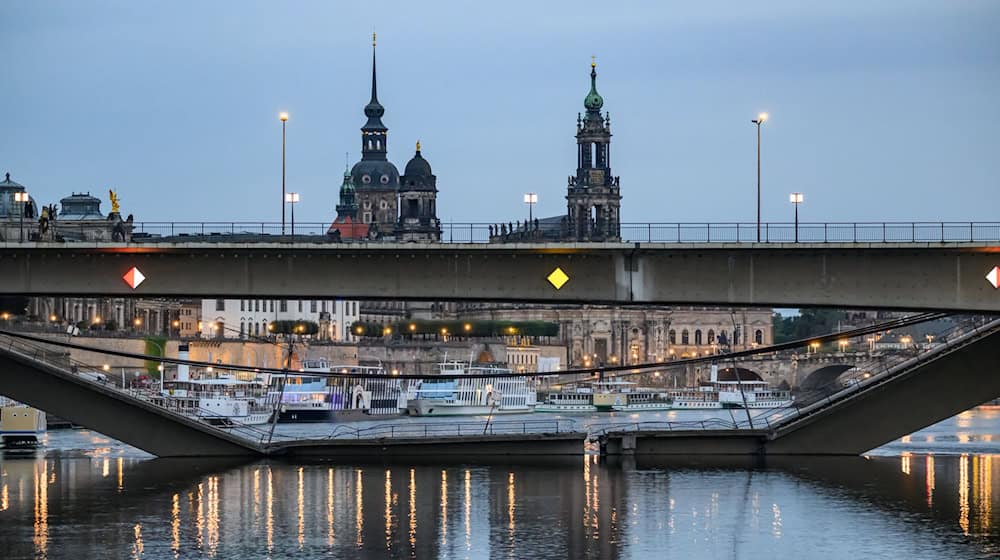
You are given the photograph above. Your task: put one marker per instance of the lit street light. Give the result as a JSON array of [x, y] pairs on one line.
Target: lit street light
[[21, 197], [758, 121], [796, 198], [284, 118], [292, 198], [530, 199]]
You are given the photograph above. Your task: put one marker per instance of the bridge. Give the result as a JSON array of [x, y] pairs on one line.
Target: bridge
[[33, 374], [871, 410], [949, 275]]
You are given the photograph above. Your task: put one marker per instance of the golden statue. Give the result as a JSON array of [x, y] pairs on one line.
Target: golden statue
[[114, 201]]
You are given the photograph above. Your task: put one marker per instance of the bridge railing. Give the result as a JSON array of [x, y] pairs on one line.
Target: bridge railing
[[648, 232], [437, 429]]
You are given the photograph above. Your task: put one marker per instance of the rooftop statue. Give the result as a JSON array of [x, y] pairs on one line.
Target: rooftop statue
[[114, 200]]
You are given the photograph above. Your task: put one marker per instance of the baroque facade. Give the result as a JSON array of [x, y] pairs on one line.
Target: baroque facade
[[604, 335]]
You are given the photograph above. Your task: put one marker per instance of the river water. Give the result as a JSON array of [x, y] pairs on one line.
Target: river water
[[928, 495]]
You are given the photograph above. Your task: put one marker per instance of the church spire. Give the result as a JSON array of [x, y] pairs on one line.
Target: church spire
[[374, 110], [374, 133]]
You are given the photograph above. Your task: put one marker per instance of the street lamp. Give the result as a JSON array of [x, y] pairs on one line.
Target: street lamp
[[284, 118], [796, 198], [292, 198], [22, 198], [758, 121], [530, 199]]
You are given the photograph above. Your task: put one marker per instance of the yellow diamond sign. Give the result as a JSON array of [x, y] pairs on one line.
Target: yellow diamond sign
[[557, 278]]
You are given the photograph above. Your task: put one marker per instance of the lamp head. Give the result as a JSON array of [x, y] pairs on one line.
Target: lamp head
[[283, 116]]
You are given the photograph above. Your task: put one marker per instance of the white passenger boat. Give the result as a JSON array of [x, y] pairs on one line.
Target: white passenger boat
[[462, 395], [751, 394], [348, 391], [222, 401], [696, 398], [20, 424], [605, 396]]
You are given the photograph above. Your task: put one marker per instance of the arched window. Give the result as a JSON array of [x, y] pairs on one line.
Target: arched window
[[736, 336], [711, 336], [758, 336], [256, 329], [672, 336], [685, 337], [723, 337], [697, 337], [243, 327], [263, 327]]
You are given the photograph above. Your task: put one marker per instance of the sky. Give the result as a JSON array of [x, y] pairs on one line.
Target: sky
[[884, 110]]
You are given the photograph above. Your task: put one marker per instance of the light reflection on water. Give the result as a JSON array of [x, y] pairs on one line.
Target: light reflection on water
[[66, 504]]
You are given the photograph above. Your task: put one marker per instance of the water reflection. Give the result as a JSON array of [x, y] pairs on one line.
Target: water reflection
[[937, 505]]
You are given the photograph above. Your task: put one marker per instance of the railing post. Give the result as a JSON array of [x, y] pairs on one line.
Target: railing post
[[825, 238], [678, 232], [470, 233], [709, 233], [767, 233], [855, 235], [649, 232], [913, 232], [942, 232], [883, 232], [972, 236]]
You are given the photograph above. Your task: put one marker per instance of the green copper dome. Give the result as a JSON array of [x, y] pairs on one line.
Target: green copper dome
[[593, 102]]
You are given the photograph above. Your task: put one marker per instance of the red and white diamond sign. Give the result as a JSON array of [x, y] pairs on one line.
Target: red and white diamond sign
[[134, 277], [993, 277]]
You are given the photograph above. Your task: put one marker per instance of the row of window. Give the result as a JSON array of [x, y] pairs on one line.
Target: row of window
[[263, 305], [723, 338]]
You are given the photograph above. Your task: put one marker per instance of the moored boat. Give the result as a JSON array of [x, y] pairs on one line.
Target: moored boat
[[470, 390], [20, 424]]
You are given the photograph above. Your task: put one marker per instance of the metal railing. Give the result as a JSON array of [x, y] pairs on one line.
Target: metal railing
[[437, 429], [652, 232]]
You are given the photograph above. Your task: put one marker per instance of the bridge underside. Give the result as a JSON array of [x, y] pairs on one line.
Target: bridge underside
[[931, 276], [941, 388]]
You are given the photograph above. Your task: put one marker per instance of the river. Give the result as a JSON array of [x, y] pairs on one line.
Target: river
[[928, 495]]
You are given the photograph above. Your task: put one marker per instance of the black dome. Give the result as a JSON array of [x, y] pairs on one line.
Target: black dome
[[375, 174], [418, 166]]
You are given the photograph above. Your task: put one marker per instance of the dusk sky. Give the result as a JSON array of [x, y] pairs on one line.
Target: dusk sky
[[885, 110]]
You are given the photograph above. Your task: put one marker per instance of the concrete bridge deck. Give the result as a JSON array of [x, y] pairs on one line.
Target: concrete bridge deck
[[947, 276]]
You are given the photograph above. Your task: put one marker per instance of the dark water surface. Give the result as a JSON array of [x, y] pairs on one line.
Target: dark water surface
[[929, 495]]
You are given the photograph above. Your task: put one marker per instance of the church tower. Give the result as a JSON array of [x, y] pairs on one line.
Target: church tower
[[417, 203], [375, 178], [593, 198]]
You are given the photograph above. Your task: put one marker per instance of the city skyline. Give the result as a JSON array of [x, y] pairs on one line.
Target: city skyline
[[875, 113]]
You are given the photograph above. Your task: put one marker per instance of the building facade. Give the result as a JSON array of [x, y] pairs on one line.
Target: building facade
[[605, 335], [249, 318]]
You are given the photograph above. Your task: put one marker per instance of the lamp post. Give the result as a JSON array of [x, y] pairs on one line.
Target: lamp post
[[284, 118], [758, 121], [292, 198], [21, 197], [796, 198], [530, 199]]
